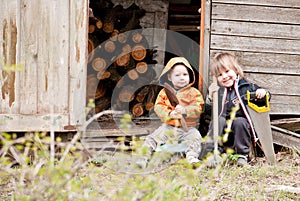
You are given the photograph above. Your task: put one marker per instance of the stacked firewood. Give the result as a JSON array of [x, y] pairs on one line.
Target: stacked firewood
[[120, 62]]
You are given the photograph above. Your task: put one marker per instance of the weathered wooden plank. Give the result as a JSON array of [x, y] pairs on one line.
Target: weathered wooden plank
[[29, 38], [183, 27], [206, 13], [255, 13], [53, 55], [253, 62], [279, 3], [286, 138], [23, 123], [284, 104], [292, 124], [103, 133], [78, 36], [222, 42], [9, 102], [253, 29], [276, 83]]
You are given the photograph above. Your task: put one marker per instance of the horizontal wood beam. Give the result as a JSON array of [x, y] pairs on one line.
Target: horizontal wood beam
[[286, 138], [183, 28], [276, 3]]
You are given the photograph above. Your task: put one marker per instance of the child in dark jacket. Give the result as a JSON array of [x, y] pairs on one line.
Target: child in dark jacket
[[233, 93]]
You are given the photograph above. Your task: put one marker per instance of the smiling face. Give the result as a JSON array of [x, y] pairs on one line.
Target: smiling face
[[179, 76], [226, 77]]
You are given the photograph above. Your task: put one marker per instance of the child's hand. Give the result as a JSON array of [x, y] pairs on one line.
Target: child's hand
[[180, 109], [175, 115], [260, 93], [178, 112], [213, 88]]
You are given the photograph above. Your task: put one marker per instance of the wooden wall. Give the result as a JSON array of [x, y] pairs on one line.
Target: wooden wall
[[265, 35], [48, 41]]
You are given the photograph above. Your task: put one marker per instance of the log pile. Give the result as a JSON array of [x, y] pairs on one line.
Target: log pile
[[120, 61]]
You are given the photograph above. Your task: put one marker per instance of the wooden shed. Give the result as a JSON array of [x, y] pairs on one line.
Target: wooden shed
[[43, 44], [265, 35], [44, 58]]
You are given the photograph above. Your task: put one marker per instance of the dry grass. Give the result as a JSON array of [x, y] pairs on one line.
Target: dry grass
[[37, 177]]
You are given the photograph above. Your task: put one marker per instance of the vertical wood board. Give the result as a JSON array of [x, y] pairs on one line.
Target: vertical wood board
[[51, 47], [78, 38], [8, 57], [29, 56], [206, 47], [53, 54]]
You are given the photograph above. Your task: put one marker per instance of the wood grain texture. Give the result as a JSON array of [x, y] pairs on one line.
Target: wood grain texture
[[255, 29], [277, 84], [253, 13], [269, 63], [51, 48], [251, 44], [277, 3], [285, 104]]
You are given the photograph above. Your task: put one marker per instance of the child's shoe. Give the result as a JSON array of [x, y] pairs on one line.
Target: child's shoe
[[242, 160], [142, 163], [193, 161]]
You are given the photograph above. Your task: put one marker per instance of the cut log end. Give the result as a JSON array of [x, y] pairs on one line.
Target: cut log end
[[99, 24], [126, 48], [99, 64], [110, 46], [123, 59], [149, 106], [137, 110], [141, 67], [92, 28], [114, 35], [132, 74], [103, 75], [126, 95], [138, 52], [108, 27], [137, 37], [122, 38]]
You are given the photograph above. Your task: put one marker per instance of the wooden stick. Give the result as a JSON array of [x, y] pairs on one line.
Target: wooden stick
[[174, 101], [215, 120]]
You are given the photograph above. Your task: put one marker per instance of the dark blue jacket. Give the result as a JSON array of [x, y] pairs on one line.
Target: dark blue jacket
[[241, 86]]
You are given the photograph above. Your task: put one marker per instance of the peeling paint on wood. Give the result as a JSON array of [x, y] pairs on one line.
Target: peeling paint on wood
[[9, 59], [77, 52], [49, 41]]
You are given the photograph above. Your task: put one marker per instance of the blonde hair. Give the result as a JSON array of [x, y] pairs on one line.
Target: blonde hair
[[224, 61]]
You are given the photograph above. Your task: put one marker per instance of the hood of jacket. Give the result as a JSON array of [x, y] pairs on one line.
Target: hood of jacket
[[172, 62]]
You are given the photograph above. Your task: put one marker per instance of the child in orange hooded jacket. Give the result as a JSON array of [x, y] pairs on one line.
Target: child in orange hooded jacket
[[180, 75]]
